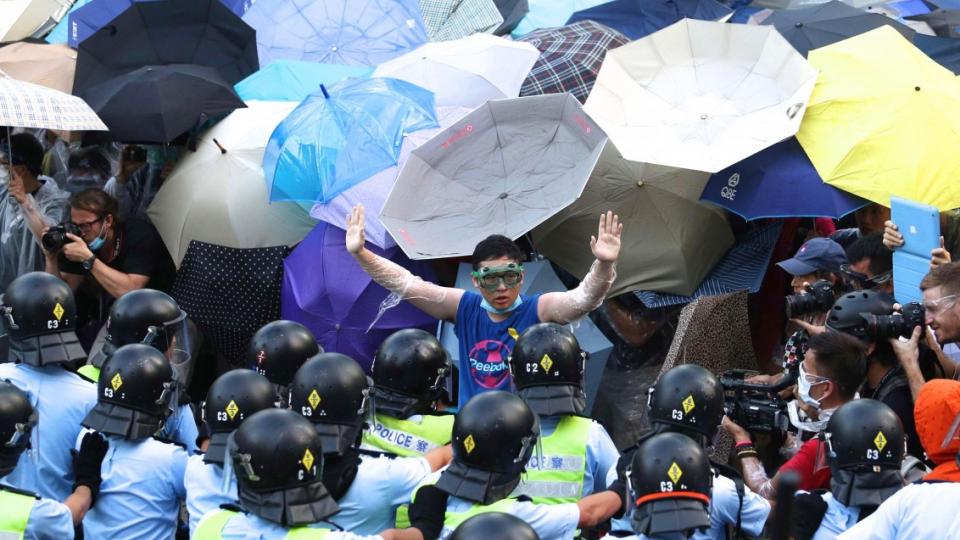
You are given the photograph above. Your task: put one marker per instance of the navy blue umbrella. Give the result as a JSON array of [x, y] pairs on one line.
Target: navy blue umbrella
[[778, 182], [638, 18], [944, 51]]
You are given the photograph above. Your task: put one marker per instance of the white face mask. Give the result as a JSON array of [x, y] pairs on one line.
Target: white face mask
[[804, 385]]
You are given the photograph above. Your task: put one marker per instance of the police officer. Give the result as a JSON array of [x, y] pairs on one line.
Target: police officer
[[864, 447], [332, 391], [153, 318], [670, 485], [277, 458], [409, 371], [494, 437], [232, 397], [688, 399], [39, 314], [142, 475], [494, 526], [547, 369], [23, 514], [278, 349]]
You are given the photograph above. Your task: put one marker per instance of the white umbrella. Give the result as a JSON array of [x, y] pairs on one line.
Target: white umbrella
[[701, 95], [466, 72], [29, 105], [218, 195], [21, 19]]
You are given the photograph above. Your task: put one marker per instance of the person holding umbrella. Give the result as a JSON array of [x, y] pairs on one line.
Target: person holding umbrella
[[488, 322]]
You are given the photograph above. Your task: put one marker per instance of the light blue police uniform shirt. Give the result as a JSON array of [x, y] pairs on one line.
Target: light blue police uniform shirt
[[250, 527], [918, 511], [381, 485], [62, 400], [724, 503], [836, 519], [141, 491], [602, 457], [668, 536], [182, 428], [49, 520], [205, 490]]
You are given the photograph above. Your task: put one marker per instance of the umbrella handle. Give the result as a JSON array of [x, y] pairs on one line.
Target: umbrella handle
[[220, 146], [793, 110]]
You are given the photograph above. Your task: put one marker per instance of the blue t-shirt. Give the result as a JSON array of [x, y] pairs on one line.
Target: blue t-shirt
[[485, 345]]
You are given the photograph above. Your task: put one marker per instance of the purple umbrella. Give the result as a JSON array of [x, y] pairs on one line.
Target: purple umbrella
[[326, 290]]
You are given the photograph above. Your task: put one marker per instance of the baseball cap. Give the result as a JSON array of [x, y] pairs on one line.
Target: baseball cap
[[815, 254]]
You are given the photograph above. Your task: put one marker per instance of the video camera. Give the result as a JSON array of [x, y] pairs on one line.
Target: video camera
[[757, 407]]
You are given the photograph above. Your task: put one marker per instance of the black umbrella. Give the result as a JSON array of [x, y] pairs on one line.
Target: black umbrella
[[816, 26], [203, 32], [944, 51], [158, 103], [512, 11], [944, 22]]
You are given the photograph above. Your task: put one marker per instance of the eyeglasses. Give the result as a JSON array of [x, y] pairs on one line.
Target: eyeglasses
[[87, 225], [510, 275], [861, 280], [935, 307], [812, 379]]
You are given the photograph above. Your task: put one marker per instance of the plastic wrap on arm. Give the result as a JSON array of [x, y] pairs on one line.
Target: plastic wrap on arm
[[756, 478], [586, 297], [402, 284]]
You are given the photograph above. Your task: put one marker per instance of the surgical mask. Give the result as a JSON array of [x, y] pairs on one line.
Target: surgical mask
[[804, 385], [805, 424], [98, 242], [490, 309]]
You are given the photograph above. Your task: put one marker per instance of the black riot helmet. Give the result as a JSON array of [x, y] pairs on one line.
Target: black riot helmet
[[670, 483], [277, 457], [547, 367], [143, 316], [687, 399], [133, 393], [494, 526], [864, 445], [494, 435], [38, 314], [233, 397], [409, 371], [17, 419], [846, 315], [332, 391], [279, 348]]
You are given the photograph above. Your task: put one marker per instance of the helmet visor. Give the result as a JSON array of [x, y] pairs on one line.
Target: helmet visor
[[180, 339], [825, 452]]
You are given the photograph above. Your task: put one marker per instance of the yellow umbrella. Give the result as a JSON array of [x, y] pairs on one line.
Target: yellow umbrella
[[884, 119], [40, 63]]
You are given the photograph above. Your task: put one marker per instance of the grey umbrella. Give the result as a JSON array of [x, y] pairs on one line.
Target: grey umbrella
[[945, 22], [502, 169], [539, 277]]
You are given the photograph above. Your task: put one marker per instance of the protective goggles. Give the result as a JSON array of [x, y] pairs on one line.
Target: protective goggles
[[510, 275], [934, 307], [860, 281]]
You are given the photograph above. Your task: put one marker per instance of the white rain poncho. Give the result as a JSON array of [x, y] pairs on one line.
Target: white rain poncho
[[19, 250]]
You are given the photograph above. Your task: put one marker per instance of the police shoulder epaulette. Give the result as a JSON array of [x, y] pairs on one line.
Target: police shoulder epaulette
[[18, 491], [523, 498], [377, 453], [169, 441]]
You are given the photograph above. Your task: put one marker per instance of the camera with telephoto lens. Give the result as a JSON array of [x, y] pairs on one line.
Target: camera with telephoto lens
[[896, 324], [757, 407], [56, 237], [819, 298]]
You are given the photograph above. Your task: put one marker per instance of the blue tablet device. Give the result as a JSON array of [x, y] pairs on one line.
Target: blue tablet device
[[920, 226]]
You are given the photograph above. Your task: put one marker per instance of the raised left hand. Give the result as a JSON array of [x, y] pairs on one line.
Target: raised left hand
[[76, 250], [606, 245]]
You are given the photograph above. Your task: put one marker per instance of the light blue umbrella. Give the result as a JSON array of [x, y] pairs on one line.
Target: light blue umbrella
[[550, 13], [293, 80], [354, 32], [342, 135], [60, 31]]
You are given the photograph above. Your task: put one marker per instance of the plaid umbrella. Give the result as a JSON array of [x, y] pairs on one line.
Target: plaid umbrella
[[454, 19], [570, 58], [741, 269], [230, 293], [23, 104]]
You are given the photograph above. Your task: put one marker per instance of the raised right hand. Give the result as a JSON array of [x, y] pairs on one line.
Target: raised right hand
[[356, 237]]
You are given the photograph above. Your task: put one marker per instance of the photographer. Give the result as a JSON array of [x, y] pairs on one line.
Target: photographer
[[871, 265], [107, 259], [833, 369]]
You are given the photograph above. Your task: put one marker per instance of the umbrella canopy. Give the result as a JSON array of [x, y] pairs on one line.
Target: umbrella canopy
[[325, 289], [797, 4], [882, 121], [339, 137], [465, 72], [670, 240], [354, 32], [85, 20], [21, 19], [638, 18], [741, 269], [502, 169], [550, 14], [455, 19], [944, 51], [816, 26], [373, 191], [217, 194], [570, 58], [24, 104], [944, 22], [294, 80], [230, 293], [47, 65], [148, 105], [202, 32], [512, 12], [540, 278], [778, 182], [701, 95]]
